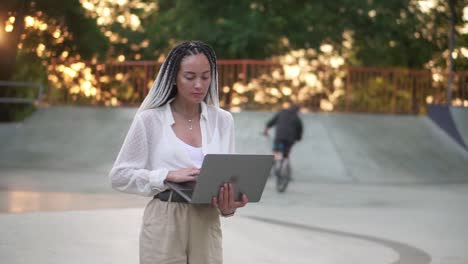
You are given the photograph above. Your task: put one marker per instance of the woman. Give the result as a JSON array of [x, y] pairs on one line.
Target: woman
[[177, 124]]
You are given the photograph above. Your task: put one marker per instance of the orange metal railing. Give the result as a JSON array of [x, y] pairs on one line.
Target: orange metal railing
[[400, 90], [366, 89]]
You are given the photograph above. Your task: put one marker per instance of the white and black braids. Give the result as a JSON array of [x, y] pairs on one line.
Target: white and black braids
[[164, 88]]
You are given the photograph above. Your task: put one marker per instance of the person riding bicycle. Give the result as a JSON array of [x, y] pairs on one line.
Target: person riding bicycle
[[289, 129]]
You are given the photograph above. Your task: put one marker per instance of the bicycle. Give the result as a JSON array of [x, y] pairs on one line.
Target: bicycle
[[281, 170]]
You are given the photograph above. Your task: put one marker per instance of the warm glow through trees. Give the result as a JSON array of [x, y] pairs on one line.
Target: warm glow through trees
[[311, 44]]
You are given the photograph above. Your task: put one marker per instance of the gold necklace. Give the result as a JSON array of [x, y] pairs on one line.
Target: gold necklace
[[190, 127], [190, 124]]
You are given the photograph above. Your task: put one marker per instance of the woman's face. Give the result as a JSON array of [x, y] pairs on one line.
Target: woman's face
[[193, 78]]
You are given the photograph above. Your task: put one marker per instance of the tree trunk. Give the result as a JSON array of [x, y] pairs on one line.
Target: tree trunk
[[453, 14], [10, 40]]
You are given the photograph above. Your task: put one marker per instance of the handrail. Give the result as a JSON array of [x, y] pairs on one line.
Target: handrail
[[19, 100]]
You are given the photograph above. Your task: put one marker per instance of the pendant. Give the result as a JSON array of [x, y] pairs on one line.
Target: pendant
[[190, 124]]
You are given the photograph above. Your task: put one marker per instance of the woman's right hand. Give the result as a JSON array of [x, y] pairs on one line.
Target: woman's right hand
[[183, 175]]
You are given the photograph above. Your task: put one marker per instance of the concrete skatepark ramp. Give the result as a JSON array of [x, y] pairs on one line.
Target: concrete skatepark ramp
[[368, 189], [341, 148]]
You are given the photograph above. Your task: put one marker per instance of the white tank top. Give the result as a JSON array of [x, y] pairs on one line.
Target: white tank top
[[195, 154]]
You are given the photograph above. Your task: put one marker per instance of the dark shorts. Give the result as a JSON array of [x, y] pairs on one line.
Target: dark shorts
[[282, 146]]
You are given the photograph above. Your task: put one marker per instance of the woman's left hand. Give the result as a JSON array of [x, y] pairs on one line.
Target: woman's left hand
[[225, 201]]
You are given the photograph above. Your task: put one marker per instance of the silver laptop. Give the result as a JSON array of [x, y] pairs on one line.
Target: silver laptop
[[247, 172]]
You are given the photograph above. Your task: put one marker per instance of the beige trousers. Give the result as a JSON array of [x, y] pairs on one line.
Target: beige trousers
[[174, 233]]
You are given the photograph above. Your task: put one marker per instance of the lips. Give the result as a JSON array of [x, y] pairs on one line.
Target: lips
[[197, 94]]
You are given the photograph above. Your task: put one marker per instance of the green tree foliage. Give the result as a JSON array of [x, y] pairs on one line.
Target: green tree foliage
[[385, 33], [51, 28], [121, 21], [399, 34], [403, 34], [83, 37], [236, 29]]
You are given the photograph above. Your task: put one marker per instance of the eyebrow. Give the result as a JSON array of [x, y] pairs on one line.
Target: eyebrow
[[190, 72]]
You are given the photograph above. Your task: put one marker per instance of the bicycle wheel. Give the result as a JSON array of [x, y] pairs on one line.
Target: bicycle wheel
[[283, 174]]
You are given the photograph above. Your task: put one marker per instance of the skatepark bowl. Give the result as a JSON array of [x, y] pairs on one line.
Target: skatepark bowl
[[366, 189]]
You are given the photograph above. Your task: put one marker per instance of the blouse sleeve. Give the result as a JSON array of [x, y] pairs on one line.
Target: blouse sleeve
[[129, 173], [232, 135]]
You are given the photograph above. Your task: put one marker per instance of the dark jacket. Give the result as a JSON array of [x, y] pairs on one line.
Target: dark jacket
[[288, 125]]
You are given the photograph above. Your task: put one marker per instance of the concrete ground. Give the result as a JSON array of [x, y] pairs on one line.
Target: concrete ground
[[366, 189]]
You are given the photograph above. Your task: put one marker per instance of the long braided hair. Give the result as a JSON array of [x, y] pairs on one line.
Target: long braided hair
[[164, 87]]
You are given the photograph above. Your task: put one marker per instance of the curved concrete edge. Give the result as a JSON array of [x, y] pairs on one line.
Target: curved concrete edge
[[111, 236], [443, 116], [407, 253]]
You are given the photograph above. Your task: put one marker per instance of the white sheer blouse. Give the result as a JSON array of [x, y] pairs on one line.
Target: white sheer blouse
[[194, 153], [150, 149]]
